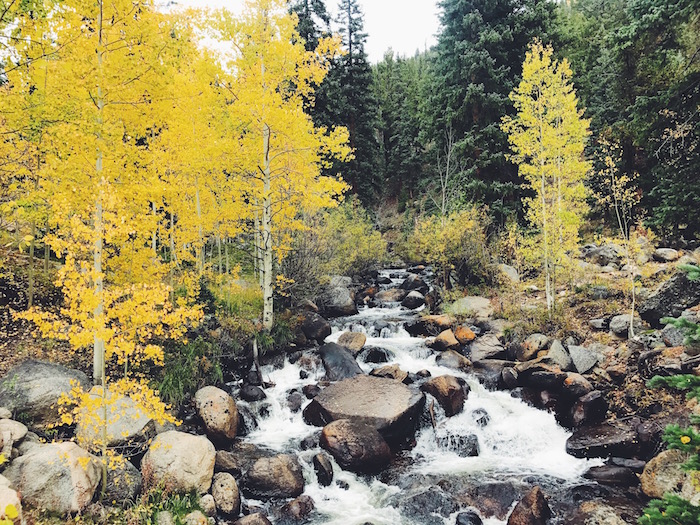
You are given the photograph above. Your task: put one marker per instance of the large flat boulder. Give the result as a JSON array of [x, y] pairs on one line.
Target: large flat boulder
[[385, 404], [356, 446], [59, 477], [473, 306], [605, 439], [33, 389], [276, 477]]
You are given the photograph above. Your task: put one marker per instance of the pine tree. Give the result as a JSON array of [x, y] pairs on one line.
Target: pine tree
[[548, 136]]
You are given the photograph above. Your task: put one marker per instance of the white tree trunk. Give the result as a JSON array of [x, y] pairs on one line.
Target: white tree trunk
[[268, 315]]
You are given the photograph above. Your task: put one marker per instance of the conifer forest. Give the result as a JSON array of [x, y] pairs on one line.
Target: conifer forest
[[249, 276]]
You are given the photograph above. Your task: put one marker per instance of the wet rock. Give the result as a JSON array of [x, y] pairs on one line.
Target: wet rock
[[356, 446], [276, 477], [590, 408], [253, 519], [487, 346], [338, 362], [33, 389], [584, 359], [414, 282], [489, 372], [477, 307], [353, 341], [392, 295], [226, 495], [666, 255], [481, 417], [390, 372], [413, 300], [669, 300], [239, 458], [464, 446], [449, 392], [464, 334], [294, 400], [124, 484], [532, 509], [663, 475], [468, 517], [311, 391], [389, 406], [181, 461], [603, 440], [635, 465], [315, 327], [509, 376], [383, 280], [445, 340], [58, 477], [339, 300], [613, 475], [531, 346], [452, 359], [428, 506], [297, 510], [429, 325], [374, 354], [252, 393], [324, 469], [218, 412]]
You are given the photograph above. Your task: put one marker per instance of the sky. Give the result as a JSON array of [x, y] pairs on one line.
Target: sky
[[402, 25]]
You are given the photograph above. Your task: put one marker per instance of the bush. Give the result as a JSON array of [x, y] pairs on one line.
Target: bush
[[453, 244]]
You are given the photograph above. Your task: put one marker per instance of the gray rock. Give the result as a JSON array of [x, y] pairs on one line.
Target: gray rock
[[165, 517], [560, 355], [123, 484], [59, 477], [672, 336], [663, 475], [604, 255], [464, 446], [509, 272], [413, 300], [392, 295], [599, 324], [181, 461], [453, 360], [584, 359], [276, 477], [487, 346], [339, 362], [531, 346], [389, 406], [218, 412], [315, 327], [620, 324], [669, 300], [9, 496], [339, 301], [196, 517], [5, 413], [666, 255], [253, 519], [33, 389], [472, 306], [356, 446], [414, 282], [208, 505]]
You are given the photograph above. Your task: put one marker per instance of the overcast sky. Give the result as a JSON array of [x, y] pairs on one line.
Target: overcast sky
[[403, 25]]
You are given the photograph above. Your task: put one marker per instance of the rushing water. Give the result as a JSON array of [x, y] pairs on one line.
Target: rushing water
[[518, 442]]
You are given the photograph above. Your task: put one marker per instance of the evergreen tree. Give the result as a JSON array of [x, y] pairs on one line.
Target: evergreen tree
[[480, 47], [348, 101], [314, 21]]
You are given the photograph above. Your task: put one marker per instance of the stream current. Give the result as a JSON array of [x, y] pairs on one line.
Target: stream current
[[519, 442]]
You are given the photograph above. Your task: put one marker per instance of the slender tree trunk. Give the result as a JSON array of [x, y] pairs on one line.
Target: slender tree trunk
[[200, 255], [31, 276], [46, 249], [268, 315]]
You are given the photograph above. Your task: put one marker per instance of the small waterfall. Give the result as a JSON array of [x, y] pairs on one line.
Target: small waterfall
[[515, 440]]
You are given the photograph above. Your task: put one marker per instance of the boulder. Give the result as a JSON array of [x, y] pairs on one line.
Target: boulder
[[445, 340], [390, 372], [509, 273], [124, 483], [613, 475], [226, 496], [356, 446], [575, 385], [180, 461], [323, 468], [353, 341], [338, 362], [449, 392], [472, 306], [9, 499], [666, 255], [559, 355], [604, 255], [252, 393], [453, 360], [298, 510], [196, 517], [589, 408], [583, 359], [599, 324], [33, 389], [531, 346], [58, 477], [620, 325], [239, 458], [669, 300], [218, 411], [413, 300], [603, 440], [429, 325], [663, 474], [464, 446], [5, 413], [487, 346], [375, 354], [275, 477], [389, 406], [126, 422], [339, 301], [315, 327], [532, 509], [464, 334], [468, 517], [11, 432], [414, 282], [392, 295], [253, 519], [208, 505], [426, 505]]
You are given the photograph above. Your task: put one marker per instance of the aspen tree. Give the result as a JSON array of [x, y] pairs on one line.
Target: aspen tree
[[281, 152], [547, 137]]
